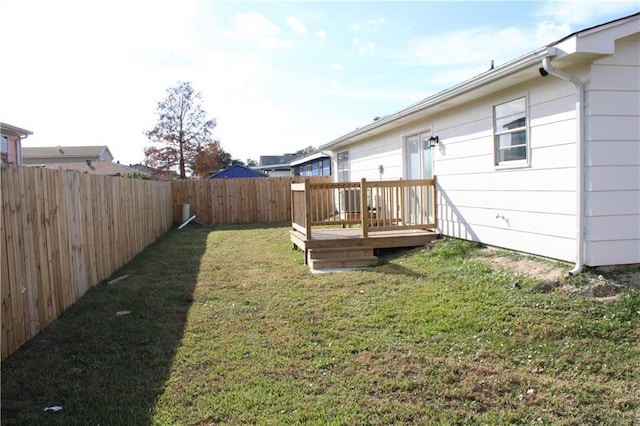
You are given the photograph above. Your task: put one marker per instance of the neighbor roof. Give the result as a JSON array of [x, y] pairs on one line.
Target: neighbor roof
[[64, 151], [269, 160], [313, 156], [8, 128], [237, 171], [104, 168]]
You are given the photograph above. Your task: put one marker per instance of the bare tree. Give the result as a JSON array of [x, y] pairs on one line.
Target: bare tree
[[182, 131]]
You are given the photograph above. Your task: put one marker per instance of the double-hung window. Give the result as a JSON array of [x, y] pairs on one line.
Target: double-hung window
[[4, 148], [343, 167], [510, 133]]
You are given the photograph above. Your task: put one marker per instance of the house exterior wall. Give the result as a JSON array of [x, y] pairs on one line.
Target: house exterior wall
[[317, 167], [13, 154], [530, 209], [612, 184], [278, 173], [534, 208], [65, 159]]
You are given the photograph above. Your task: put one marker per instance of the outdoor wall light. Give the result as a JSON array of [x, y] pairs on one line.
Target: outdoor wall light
[[433, 141]]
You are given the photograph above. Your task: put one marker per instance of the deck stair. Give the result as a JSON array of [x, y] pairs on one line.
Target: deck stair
[[341, 257]]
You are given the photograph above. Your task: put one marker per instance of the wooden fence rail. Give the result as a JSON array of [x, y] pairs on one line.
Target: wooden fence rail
[[245, 200], [63, 232]]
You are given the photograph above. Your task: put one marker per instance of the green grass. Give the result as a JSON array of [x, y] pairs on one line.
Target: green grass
[[227, 326]]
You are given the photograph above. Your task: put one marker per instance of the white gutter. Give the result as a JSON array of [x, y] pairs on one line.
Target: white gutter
[[546, 66]]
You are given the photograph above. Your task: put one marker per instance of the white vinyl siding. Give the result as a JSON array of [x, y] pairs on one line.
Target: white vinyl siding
[[612, 190]]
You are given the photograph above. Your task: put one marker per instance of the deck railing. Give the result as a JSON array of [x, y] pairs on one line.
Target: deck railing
[[373, 206]]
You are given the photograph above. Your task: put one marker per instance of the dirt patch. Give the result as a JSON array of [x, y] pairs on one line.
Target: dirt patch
[[600, 283]]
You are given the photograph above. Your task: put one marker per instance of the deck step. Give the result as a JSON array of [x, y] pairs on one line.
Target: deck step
[[340, 253], [351, 262]]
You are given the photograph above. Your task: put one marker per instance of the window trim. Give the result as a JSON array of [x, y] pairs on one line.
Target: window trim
[[4, 142], [511, 164]]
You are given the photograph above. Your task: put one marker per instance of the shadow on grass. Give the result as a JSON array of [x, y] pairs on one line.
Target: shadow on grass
[[100, 365], [388, 255]]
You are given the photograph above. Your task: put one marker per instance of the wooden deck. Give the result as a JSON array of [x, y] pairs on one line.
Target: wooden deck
[[346, 248], [340, 224]]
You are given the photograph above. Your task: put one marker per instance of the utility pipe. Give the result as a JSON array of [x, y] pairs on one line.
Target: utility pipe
[[546, 69]]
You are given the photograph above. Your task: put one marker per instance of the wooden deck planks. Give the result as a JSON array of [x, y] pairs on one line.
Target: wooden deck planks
[[335, 242]]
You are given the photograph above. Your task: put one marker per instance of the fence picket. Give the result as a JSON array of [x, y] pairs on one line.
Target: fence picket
[[243, 200], [63, 232]]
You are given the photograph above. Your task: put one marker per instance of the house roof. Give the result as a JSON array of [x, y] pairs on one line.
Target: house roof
[[64, 151], [237, 171], [313, 156], [15, 130], [572, 49], [158, 173], [269, 160], [104, 168]]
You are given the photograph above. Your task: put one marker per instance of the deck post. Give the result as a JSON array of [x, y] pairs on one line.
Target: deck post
[[364, 208], [401, 188], [435, 204], [307, 209]]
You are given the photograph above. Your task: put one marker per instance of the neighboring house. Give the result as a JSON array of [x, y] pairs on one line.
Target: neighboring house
[[66, 154], [539, 155], [104, 168], [11, 143], [276, 165], [237, 171], [156, 174], [315, 164]]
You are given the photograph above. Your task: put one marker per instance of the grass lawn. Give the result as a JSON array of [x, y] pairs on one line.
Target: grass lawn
[[227, 326]]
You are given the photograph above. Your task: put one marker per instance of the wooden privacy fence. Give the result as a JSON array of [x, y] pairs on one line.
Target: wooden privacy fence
[[63, 232], [243, 200]]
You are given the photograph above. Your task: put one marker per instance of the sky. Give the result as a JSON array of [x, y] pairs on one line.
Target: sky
[[277, 76]]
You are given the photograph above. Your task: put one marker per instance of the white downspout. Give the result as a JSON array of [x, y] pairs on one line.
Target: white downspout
[[546, 66]]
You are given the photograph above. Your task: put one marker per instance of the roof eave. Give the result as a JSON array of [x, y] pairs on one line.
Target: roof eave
[[316, 155], [15, 129]]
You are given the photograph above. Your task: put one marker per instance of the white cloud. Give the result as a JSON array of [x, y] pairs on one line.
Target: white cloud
[[551, 31], [367, 48], [256, 27], [363, 48], [296, 25], [339, 90], [321, 35], [375, 25], [336, 67], [478, 45], [584, 12], [370, 25]]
